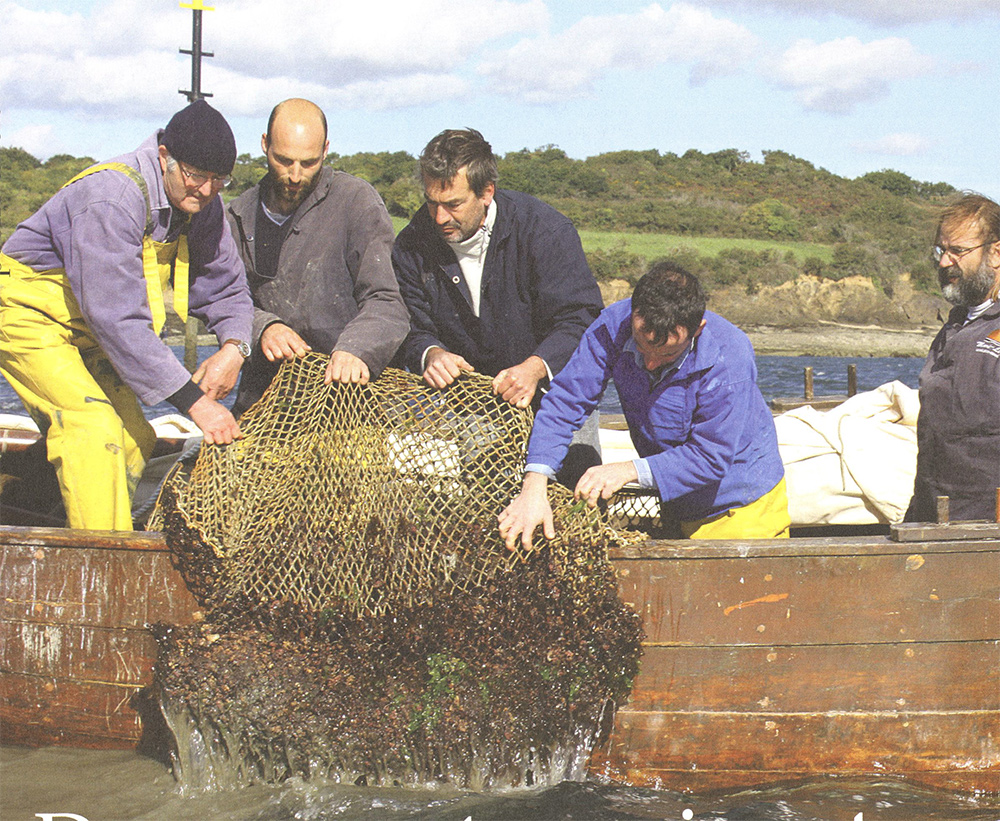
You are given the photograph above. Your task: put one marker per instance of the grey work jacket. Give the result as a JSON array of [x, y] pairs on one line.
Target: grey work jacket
[[334, 284]]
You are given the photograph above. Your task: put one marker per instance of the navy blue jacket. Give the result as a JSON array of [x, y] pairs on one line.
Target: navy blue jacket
[[538, 294], [958, 429]]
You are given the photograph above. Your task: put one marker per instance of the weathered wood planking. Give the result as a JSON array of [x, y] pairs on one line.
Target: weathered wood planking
[[721, 750], [944, 676], [922, 596], [765, 661], [770, 661], [41, 711], [75, 647], [114, 655]]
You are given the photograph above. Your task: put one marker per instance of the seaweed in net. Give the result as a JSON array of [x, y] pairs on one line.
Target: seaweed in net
[[365, 621]]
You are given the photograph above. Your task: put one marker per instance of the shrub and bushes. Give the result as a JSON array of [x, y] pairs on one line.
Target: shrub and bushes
[[878, 225]]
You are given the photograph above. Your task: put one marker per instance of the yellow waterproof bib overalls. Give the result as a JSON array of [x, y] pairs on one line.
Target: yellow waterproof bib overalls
[[96, 435]]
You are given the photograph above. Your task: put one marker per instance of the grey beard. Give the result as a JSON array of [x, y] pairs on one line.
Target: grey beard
[[970, 291]]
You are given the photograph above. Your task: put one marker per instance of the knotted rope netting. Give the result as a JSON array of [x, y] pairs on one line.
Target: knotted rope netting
[[352, 533]]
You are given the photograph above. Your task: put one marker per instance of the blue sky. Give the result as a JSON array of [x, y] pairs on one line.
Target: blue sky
[[850, 85]]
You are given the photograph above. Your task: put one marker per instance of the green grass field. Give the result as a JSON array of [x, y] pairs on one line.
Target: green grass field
[[653, 246]]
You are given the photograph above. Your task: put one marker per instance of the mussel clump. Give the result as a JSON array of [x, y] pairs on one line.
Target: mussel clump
[[501, 686]]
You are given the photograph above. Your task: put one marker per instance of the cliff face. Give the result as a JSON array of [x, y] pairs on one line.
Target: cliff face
[[809, 301]]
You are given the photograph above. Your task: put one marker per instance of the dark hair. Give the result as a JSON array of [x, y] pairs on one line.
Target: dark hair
[[975, 208], [667, 298], [457, 148]]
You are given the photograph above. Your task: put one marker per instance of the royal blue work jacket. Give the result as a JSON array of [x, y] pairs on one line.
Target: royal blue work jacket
[[704, 429]]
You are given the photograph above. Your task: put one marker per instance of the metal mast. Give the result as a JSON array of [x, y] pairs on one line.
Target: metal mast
[[196, 53], [191, 328]]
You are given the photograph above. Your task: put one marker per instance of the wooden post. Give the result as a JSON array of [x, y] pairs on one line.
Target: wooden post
[[852, 379], [808, 375], [943, 510], [191, 344]]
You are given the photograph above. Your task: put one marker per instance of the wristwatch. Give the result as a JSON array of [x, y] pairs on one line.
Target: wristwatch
[[241, 346]]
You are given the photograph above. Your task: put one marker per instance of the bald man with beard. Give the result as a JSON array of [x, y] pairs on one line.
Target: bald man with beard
[[317, 246]]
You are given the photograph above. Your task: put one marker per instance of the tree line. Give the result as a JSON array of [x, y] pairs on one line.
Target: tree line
[[877, 225]]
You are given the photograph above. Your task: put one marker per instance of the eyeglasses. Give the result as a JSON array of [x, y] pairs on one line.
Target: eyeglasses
[[939, 251], [198, 180]]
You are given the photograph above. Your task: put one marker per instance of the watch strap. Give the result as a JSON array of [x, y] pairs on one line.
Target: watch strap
[[241, 346]]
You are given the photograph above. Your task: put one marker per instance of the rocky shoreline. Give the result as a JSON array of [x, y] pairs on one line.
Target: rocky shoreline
[[806, 317], [825, 339], [822, 340], [841, 340], [810, 316]]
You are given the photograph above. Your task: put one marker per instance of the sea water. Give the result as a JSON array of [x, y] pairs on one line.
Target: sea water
[[123, 786], [784, 376]]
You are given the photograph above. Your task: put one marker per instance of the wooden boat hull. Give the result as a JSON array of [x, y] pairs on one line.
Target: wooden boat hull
[[771, 661], [763, 661], [74, 643]]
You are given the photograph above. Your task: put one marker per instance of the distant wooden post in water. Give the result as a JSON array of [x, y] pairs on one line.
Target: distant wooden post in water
[[782, 404]]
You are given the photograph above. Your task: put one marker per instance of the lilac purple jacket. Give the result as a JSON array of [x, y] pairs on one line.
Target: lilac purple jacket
[[93, 229]]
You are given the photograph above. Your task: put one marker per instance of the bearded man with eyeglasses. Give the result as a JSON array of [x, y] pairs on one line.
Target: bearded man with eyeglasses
[[958, 429], [82, 308]]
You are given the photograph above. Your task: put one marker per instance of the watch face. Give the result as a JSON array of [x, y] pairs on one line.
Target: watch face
[[244, 349]]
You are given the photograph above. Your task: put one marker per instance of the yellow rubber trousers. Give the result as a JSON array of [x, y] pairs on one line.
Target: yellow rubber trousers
[[96, 435], [765, 518]]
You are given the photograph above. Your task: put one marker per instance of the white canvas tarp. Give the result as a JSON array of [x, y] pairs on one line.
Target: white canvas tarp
[[853, 464]]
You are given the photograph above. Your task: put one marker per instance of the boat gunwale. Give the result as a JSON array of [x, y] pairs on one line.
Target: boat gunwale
[[64, 537], [799, 547], [646, 549]]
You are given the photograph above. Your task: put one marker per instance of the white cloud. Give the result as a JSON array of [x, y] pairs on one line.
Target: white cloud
[[115, 27], [895, 145], [95, 84], [244, 96], [837, 75], [883, 12], [37, 140], [341, 43], [552, 67], [111, 62], [123, 56]]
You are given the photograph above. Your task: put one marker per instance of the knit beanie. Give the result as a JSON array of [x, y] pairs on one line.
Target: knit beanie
[[200, 136]]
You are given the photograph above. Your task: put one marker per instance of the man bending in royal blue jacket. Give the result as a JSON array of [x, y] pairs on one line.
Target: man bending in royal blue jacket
[[687, 381]]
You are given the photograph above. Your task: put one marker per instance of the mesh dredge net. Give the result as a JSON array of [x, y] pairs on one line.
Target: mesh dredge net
[[364, 620]]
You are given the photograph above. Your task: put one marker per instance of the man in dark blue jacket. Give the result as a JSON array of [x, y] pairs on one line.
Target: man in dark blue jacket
[[495, 281], [958, 430]]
